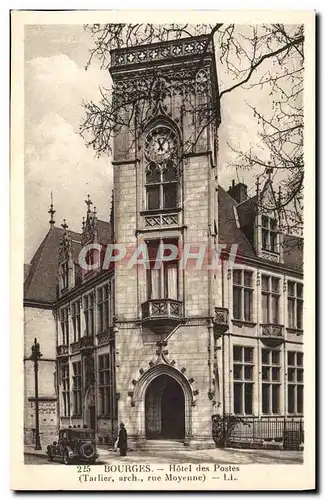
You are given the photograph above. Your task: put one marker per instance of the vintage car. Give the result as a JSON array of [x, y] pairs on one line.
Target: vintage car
[[74, 444]]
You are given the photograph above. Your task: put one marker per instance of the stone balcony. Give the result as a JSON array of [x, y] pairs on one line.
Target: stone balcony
[[272, 334], [62, 350], [86, 343], [105, 337], [221, 320], [160, 315]]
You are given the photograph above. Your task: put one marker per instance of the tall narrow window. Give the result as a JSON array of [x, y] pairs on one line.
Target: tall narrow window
[[243, 369], [269, 234], [104, 385], [295, 382], [271, 381], [75, 317], [242, 295], [162, 277], [103, 294], [270, 299], [65, 275], [161, 186], [89, 314], [64, 322], [77, 389], [295, 305], [65, 390]]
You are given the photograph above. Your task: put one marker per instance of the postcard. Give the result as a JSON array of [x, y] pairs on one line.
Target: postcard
[[162, 216]]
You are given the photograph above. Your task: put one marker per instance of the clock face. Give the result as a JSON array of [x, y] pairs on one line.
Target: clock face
[[161, 144]]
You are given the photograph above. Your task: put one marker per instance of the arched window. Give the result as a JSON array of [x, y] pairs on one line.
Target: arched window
[[161, 181]]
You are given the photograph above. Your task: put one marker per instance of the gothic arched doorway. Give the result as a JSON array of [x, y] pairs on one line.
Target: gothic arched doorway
[[165, 409]]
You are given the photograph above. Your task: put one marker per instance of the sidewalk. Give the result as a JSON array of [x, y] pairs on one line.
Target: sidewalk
[[217, 455]]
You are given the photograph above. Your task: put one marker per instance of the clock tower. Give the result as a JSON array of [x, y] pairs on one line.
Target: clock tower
[[165, 197]]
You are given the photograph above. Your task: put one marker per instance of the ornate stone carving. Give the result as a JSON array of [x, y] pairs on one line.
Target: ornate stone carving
[[272, 330], [264, 254], [161, 220], [173, 49], [65, 247]]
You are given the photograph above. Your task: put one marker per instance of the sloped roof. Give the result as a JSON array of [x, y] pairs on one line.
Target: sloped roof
[[41, 282], [104, 232], [229, 233]]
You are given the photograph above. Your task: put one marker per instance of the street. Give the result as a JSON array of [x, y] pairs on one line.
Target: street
[[229, 456]]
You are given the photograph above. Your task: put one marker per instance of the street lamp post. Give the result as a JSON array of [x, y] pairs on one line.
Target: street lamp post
[[36, 355]]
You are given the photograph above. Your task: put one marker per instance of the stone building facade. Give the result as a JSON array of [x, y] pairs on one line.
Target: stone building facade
[[167, 344]]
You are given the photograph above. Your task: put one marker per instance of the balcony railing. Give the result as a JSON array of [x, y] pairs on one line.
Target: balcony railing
[[162, 308], [62, 350], [221, 319], [104, 337], [86, 342], [75, 347], [162, 314], [269, 330], [272, 334]]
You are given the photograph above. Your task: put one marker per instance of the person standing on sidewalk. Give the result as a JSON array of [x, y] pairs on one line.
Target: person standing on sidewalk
[[122, 440]]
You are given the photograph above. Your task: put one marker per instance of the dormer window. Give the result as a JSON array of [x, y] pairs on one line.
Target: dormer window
[[65, 275], [269, 234]]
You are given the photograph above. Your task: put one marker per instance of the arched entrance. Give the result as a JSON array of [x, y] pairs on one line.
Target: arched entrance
[[164, 409]]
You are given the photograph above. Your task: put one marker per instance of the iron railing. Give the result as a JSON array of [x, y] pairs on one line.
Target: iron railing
[[286, 431]]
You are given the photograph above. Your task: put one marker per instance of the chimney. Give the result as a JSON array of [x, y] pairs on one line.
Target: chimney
[[238, 191]]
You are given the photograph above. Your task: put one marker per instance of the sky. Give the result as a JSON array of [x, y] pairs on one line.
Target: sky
[[56, 158]]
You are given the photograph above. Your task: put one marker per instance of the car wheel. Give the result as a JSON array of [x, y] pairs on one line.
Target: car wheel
[[66, 458]]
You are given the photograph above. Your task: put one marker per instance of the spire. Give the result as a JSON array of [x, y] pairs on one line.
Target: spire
[[51, 212], [89, 224]]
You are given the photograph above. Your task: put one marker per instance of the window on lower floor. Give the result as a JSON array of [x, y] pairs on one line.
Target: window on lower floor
[[104, 385], [270, 299], [243, 371], [65, 390], [295, 304], [242, 295], [295, 382], [77, 389], [271, 381]]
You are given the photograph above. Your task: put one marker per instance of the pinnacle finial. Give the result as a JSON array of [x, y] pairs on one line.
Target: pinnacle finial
[[269, 170], [88, 203], [65, 225], [51, 212]]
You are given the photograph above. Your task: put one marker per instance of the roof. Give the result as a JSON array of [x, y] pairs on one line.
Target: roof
[[42, 279], [229, 233], [26, 270], [41, 282]]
